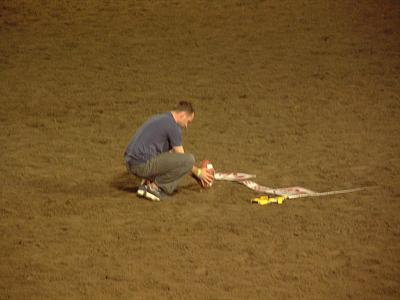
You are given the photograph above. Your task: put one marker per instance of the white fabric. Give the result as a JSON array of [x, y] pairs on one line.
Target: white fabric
[[243, 179]]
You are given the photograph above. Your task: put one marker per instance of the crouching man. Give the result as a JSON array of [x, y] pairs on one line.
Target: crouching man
[[155, 153]]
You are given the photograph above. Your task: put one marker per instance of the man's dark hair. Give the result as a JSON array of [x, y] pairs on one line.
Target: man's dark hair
[[184, 106]]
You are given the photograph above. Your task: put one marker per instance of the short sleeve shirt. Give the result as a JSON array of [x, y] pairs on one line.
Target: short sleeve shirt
[[159, 134]]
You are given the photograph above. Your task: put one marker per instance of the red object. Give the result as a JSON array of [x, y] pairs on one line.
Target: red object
[[204, 163], [208, 165]]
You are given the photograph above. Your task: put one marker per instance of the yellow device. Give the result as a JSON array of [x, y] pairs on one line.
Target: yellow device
[[264, 200]]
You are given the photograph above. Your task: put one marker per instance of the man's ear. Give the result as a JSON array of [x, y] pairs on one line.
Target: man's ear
[[182, 115]]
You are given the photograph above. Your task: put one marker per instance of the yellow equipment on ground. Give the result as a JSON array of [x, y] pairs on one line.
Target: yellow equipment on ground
[[264, 200]]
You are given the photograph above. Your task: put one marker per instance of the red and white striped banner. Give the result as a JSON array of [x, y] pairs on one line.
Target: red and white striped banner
[[243, 179]]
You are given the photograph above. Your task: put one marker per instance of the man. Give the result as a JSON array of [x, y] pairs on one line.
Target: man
[[156, 154]]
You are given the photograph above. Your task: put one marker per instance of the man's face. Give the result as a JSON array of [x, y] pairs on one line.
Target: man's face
[[185, 119]]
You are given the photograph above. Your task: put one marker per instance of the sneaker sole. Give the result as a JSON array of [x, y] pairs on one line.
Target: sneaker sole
[[149, 196], [141, 193]]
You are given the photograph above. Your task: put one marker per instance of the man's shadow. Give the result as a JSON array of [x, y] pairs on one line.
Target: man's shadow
[[128, 183], [125, 182]]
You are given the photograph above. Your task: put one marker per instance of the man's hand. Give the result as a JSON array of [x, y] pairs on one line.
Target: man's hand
[[207, 177]]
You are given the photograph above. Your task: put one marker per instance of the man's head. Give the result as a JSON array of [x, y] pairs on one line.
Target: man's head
[[183, 113]]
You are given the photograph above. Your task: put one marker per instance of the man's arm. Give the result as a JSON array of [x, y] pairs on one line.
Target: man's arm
[[203, 174], [178, 149]]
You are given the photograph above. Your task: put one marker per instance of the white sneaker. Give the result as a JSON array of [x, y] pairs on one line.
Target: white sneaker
[[152, 193], [141, 190]]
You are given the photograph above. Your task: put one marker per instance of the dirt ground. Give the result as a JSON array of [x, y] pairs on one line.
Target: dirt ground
[[297, 92]]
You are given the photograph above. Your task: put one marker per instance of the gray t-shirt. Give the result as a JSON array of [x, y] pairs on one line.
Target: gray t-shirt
[[159, 134]]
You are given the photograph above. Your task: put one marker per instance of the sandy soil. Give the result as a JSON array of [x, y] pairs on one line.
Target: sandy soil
[[298, 92]]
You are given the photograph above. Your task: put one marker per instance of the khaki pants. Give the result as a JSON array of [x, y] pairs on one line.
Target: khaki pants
[[165, 169]]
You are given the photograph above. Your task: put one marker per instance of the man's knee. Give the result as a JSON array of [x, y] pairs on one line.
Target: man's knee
[[189, 161], [192, 160]]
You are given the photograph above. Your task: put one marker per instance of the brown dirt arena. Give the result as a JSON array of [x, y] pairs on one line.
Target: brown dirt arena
[[298, 92]]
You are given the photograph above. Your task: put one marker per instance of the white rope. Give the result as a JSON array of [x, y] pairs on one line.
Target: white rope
[[326, 193]]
